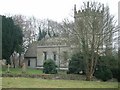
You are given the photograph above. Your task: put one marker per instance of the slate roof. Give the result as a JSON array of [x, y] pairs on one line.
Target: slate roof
[[31, 51]]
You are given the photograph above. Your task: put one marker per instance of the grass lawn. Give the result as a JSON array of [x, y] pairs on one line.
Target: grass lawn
[[28, 71], [19, 71], [8, 82], [20, 82]]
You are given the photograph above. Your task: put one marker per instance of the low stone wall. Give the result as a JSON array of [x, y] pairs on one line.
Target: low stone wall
[[48, 76]]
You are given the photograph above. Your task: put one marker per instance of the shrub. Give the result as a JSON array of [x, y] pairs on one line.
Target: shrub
[[49, 67], [112, 63], [103, 73], [76, 64], [116, 73], [116, 70], [118, 76]]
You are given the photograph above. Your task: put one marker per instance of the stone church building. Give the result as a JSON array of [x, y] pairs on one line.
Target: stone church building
[[55, 48], [59, 49]]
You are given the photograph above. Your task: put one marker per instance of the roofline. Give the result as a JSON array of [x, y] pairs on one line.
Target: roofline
[[53, 46], [30, 57]]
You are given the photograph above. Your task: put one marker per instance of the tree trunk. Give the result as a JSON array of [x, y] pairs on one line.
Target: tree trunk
[[89, 74], [89, 70], [19, 59], [89, 77]]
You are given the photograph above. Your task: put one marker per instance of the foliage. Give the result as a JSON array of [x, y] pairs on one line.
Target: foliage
[[116, 69], [11, 38], [29, 28], [108, 61], [111, 62], [76, 64], [49, 67], [48, 27], [116, 73], [41, 34], [103, 73]]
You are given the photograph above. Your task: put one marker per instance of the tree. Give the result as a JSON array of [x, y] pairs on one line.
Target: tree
[[18, 42], [29, 28], [11, 38], [94, 27], [93, 31], [41, 34]]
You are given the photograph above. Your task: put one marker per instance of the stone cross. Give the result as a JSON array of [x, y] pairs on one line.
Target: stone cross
[[23, 67], [8, 68]]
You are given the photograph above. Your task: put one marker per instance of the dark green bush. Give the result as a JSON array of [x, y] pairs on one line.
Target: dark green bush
[[112, 63], [49, 67], [116, 73], [118, 76], [76, 64], [103, 73]]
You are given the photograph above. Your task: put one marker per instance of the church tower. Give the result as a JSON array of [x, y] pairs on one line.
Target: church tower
[[119, 29], [119, 13]]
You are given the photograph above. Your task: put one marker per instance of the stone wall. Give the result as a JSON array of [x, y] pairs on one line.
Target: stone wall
[[59, 50]]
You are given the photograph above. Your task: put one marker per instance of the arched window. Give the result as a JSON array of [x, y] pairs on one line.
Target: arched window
[[45, 55], [28, 62], [54, 56]]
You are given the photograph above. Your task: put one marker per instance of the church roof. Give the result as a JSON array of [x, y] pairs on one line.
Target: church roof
[[53, 41], [31, 51], [49, 42]]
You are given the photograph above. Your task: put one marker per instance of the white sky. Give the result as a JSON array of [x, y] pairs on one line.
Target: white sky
[[53, 9]]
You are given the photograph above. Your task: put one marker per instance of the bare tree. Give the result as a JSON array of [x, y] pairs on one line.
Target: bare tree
[[93, 30], [29, 27]]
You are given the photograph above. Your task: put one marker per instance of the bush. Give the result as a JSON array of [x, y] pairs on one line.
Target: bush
[[103, 73], [112, 63], [118, 76], [116, 73], [76, 64], [49, 67]]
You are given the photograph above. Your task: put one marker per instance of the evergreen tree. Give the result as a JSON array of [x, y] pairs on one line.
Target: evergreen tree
[[11, 38], [41, 34]]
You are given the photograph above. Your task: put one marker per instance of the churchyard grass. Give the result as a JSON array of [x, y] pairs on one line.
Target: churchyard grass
[[19, 71], [19, 82], [22, 82], [28, 71]]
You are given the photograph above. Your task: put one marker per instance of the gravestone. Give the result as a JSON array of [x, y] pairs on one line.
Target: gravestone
[[23, 68], [8, 68]]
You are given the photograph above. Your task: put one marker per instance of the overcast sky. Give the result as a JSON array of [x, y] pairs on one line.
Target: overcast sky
[[53, 9]]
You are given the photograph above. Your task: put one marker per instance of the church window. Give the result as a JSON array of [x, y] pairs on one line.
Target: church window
[[45, 55], [54, 56]]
